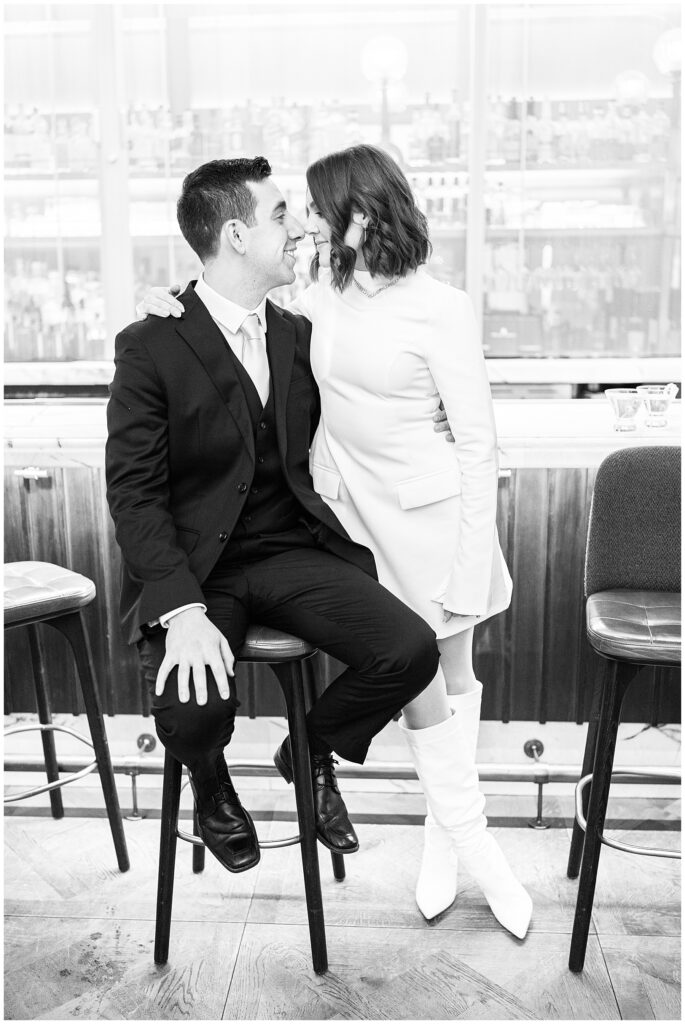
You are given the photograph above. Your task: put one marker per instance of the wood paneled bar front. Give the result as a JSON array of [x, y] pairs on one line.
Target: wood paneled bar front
[[534, 656]]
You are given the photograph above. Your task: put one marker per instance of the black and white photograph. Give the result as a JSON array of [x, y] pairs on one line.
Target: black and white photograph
[[342, 510]]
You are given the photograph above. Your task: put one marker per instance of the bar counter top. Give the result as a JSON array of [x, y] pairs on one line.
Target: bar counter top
[[531, 433]]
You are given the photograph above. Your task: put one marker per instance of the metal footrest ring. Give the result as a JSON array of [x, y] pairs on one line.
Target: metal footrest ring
[[72, 777], [668, 774]]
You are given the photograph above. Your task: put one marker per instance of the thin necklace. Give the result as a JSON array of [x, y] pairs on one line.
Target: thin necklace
[[372, 295]]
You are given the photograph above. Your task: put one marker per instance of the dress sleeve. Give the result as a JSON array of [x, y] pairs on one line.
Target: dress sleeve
[[457, 365], [303, 304]]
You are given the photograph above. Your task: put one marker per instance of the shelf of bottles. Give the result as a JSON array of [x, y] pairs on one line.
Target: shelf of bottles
[[574, 212]]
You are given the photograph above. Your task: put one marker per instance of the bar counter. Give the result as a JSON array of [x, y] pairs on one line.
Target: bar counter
[[534, 655], [531, 433]]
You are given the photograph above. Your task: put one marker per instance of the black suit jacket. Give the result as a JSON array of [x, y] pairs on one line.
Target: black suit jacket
[[180, 448]]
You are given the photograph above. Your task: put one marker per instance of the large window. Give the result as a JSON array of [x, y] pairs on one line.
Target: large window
[[541, 141]]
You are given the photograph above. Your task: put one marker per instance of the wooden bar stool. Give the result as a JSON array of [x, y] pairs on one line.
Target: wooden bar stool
[[287, 656], [632, 585], [37, 592]]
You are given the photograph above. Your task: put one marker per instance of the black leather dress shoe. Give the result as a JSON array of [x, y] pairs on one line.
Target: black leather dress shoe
[[333, 826], [225, 827]]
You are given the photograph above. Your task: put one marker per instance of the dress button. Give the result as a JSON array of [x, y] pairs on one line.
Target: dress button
[[248, 519], [242, 488], [254, 490], [223, 536], [262, 425], [260, 458]]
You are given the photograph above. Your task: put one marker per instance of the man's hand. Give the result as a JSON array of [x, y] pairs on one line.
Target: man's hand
[[442, 423], [192, 643], [160, 302]]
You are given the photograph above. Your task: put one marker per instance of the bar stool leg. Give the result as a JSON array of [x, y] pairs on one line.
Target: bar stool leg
[[45, 718], [578, 836], [198, 851], [613, 691], [290, 678], [337, 859], [71, 626], [338, 866], [171, 798]]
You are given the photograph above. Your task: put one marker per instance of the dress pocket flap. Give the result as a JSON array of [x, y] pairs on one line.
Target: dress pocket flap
[[326, 481], [424, 490]]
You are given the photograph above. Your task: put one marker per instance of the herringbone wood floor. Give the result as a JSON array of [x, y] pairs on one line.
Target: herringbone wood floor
[[79, 935]]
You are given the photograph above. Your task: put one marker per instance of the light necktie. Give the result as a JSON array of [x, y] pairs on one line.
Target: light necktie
[[254, 357]]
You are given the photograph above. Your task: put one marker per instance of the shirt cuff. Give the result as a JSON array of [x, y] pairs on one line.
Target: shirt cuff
[[165, 619]]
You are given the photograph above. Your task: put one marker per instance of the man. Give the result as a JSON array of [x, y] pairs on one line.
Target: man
[[210, 420]]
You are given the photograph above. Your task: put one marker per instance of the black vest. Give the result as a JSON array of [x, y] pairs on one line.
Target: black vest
[[271, 507]]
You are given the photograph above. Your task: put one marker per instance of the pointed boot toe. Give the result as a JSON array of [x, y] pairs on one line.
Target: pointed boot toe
[[436, 887], [507, 898]]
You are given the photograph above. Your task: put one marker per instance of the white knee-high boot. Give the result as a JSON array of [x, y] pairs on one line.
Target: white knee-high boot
[[436, 886], [444, 757]]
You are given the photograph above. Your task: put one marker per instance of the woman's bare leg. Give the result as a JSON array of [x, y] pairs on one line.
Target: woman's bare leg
[[456, 662], [430, 707]]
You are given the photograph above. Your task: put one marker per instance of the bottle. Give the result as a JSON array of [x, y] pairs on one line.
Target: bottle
[[546, 133], [660, 130], [512, 133], [532, 124], [454, 127], [496, 131], [597, 132], [582, 136]]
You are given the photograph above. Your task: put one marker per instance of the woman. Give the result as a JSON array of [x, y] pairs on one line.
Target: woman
[[387, 339]]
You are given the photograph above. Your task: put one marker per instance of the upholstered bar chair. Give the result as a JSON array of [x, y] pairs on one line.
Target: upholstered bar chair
[[632, 586], [42, 593]]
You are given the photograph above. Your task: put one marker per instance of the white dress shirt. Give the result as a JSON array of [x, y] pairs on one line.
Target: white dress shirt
[[229, 317]]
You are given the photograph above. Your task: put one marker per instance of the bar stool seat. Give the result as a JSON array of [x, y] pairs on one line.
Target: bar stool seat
[[288, 657], [639, 625], [263, 644], [40, 592], [36, 591]]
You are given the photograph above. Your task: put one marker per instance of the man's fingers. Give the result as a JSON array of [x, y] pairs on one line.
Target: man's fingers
[[164, 670], [220, 677], [200, 681], [183, 683], [227, 655]]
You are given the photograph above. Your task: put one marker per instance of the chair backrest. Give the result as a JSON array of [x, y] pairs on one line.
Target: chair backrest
[[633, 539]]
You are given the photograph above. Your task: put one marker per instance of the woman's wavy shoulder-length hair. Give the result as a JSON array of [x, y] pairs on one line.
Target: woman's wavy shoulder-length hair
[[367, 180]]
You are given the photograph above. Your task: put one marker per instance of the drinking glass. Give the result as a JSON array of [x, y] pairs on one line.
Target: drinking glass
[[626, 404], [657, 398]]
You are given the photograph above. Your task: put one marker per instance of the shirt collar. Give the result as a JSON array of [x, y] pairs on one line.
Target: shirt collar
[[229, 314]]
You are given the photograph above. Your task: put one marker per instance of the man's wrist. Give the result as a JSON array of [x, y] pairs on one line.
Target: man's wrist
[[167, 617]]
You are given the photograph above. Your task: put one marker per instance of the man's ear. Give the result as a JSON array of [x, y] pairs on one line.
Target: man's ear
[[233, 235]]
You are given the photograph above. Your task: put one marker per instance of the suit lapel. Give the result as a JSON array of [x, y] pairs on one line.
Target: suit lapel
[[280, 345], [197, 328]]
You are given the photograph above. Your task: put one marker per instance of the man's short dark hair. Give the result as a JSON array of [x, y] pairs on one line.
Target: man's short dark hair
[[213, 194]]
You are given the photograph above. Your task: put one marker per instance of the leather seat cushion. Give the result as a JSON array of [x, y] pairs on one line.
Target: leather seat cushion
[[635, 625], [34, 591], [265, 644]]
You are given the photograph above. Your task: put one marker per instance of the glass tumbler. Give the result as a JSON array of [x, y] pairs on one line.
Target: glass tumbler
[[625, 403], [657, 398]]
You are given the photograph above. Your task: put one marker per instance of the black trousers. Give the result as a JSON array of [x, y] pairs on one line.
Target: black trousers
[[391, 652]]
